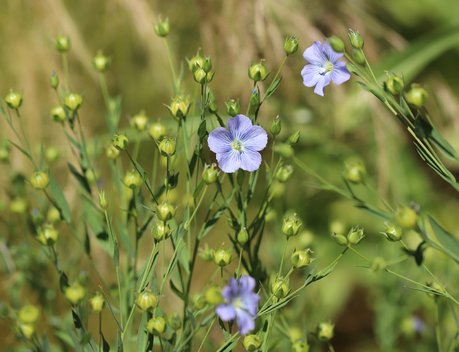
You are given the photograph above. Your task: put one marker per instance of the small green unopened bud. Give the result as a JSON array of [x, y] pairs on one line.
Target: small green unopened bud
[[157, 131], [232, 107], [294, 138], [167, 146], [416, 96], [162, 28], [406, 217], [39, 180], [436, 289], [174, 321], [206, 253], [53, 215], [284, 173], [62, 43], [156, 326], [195, 62], [102, 200], [356, 39], [26, 330], [200, 75], [210, 174], [392, 233], [301, 258], [291, 224], [18, 205], [394, 84], [280, 287], [213, 296], [97, 302], [54, 80], [212, 104], [180, 106], [276, 127], [222, 257], [254, 101], [340, 239], [52, 154], [13, 100], [146, 300], [252, 342], [358, 56], [75, 293], [120, 141], [101, 62], [73, 101], [337, 44], [378, 264], [325, 331], [29, 314], [242, 236], [165, 211], [132, 179], [160, 230], [112, 152], [5, 152], [207, 64], [354, 171], [139, 121], [355, 235], [285, 150], [300, 346], [290, 45], [58, 114], [48, 235], [258, 72]]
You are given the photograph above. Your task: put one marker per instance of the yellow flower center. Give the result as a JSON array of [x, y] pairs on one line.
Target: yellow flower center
[[237, 146]]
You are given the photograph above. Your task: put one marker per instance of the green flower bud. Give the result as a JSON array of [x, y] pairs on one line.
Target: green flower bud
[[207, 64], [284, 173], [101, 62], [52, 154], [18, 205], [91, 176], [195, 62], [213, 296], [162, 28], [160, 230], [258, 72], [301, 258], [354, 171], [102, 200], [254, 101], [48, 235], [416, 96], [340, 239], [222, 257], [140, 121], [277, 189], [120, 141], [146, 300], [325, 331], [13, 100], [206, 253], [394, 84], [337, 44], [62, 43], [53, 215], [356, 39], [285, 150], [29, 314], [97, 302], [165, 211], [199, 301], [251, 342], [358, 56], [436, 289], [276, 127], [73, 101], [75, 293], [294, 138], [132, 179], [291, 224], [232, 107], [5, 152], [157, 131], [156, 326], [290, 45], [212, 105], [392, 233], [54, 80], [355, 235], [112, 152], [39, 180], [26, 330], [210, 174], [180, 106], [200, 75], [174, 321], [378, 264], [280, 287], [167, 146], [406, 218], [58, 114], [300, 346], [242, 236]]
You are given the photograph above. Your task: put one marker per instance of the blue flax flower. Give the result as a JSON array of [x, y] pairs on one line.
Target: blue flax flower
[[324, 67], [241, 303], [239, 147]]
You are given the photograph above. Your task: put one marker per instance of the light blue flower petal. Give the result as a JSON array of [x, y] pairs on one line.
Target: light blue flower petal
[[250, 160], [330, 54], [311, 75], [246, 283], [238, 125], [255, 138], [219, 140], [340, 74], [325, 81], [226, 312], [245, 322], [229, 162], [314, 54]]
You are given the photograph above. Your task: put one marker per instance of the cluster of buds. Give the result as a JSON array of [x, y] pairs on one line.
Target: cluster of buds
[[27, 319], [201, 67], [354, 236]]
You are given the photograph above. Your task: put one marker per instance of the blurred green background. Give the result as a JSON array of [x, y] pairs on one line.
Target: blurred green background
[[419, 38]]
